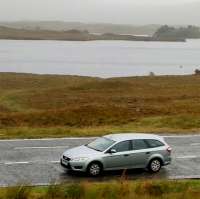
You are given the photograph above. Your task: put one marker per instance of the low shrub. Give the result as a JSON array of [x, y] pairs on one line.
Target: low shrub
[[18, 192]]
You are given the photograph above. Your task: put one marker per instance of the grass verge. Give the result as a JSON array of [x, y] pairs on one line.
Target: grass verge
[[189, 189], [159, 125]]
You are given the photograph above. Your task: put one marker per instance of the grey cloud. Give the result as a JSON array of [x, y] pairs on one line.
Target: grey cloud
[[107, 11]]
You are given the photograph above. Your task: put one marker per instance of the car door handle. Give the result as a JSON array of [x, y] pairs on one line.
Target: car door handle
[[126, 155], [148, 152]]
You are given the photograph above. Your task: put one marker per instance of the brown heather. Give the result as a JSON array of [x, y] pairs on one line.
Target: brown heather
[[70, 105]]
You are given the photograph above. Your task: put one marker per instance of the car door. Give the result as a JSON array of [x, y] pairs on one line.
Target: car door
[[139, 154], [121, 158]]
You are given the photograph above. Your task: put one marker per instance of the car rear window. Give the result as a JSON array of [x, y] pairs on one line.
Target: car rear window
[[139, 144], [154, 143]]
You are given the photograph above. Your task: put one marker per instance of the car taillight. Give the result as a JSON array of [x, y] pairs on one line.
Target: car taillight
[[169, 149]]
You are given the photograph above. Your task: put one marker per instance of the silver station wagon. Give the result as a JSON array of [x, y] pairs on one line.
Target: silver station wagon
[[119, 151]]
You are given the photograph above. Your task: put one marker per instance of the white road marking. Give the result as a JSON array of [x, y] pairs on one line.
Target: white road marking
[[89, 138], [58, 181], [180, 136], [49, 139], [29, 162], [56, 161], [27, 185], [11, 163], [184, 177], [42, 147], [187, 157], [195, 144]]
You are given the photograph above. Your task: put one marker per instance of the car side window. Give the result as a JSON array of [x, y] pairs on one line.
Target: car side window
[[122, 146], [139, 144], [154, 143]]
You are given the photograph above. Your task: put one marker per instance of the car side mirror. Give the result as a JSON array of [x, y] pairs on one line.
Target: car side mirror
[[113, 151]]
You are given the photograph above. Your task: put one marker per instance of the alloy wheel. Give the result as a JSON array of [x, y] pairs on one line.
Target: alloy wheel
[[155, 165], [94, 169]]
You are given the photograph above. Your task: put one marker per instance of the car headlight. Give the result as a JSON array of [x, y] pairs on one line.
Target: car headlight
[[80, 159]]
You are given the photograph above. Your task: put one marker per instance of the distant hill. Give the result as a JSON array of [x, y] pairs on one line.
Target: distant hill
[[168, 32], [99, 28], [22, 34], [70, 35]]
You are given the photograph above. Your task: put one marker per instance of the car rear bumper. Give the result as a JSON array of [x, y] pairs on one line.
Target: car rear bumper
[[168, 161]]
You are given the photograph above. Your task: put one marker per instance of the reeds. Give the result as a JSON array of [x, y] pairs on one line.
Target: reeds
[[123, 189]]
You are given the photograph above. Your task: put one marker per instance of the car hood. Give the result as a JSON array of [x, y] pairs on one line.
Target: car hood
[[81, 151]]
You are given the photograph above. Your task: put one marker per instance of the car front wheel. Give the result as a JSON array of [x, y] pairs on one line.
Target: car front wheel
[[94, 169], [155, 165]]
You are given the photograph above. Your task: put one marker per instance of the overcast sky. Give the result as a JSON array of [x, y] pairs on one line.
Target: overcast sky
[[107, 11]]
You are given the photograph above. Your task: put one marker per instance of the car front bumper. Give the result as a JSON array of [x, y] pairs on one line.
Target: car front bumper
[[75, 166]]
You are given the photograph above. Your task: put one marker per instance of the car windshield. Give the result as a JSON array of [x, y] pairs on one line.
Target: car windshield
[[100, 144]]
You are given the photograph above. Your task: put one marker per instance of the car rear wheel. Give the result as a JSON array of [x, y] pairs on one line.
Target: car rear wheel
[[94, 169], [155, 165]]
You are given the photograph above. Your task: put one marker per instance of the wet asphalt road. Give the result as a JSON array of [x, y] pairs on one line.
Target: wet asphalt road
[[37, 161]]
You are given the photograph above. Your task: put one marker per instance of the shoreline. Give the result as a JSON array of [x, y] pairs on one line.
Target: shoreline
[[73, 35]]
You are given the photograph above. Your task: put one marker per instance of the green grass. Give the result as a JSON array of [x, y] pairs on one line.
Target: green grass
[[57, 105], [108, 190]]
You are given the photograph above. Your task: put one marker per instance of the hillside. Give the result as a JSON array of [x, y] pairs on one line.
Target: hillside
[[70, 35], [168, 32], [99, 28], [22, 34], [167, 103]]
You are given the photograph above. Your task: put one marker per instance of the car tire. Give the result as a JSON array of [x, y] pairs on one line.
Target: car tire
[[155, 165], [94, 169]]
